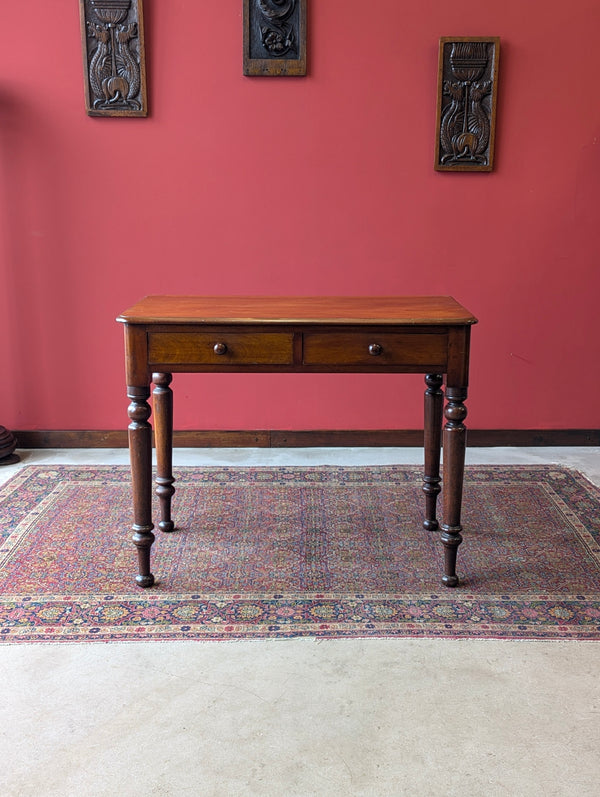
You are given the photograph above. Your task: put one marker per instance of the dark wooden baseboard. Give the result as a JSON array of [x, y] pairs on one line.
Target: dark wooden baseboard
[[309, 439]]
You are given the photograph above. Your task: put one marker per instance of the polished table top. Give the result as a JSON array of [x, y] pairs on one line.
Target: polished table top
[[380, 310]]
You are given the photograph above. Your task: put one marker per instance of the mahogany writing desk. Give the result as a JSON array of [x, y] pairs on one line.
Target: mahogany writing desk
[[409, 334]]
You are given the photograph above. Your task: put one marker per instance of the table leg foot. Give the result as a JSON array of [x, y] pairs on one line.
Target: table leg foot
[[145, 581], [143, 539], [450, 581], [451, 539]]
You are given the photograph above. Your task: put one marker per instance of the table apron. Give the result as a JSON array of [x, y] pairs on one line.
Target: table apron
[[273, 348]]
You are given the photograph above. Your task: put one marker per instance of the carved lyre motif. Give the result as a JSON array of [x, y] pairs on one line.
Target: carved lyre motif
[[467, 104], [114, 57], [274, 37]]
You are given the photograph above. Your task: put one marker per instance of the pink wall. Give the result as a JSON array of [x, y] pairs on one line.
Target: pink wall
[[321, 184]]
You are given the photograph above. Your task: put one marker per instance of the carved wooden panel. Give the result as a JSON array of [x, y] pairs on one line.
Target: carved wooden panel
[[112, 33], [466, 109], [275, 37]]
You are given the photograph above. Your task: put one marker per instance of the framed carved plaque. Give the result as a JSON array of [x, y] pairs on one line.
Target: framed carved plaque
[[275, 37], [112, 34], [466, 104]]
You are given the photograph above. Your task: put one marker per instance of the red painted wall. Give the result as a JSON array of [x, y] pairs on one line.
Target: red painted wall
[[321, 184]]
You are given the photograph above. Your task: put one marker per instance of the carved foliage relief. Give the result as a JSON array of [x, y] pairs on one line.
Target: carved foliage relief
[[274, 37], [466, 115], [112, 34]]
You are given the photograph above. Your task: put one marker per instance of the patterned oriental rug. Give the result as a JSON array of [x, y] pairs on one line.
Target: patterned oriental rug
[[285, 552]]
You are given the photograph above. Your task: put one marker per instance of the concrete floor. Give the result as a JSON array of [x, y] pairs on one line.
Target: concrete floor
[[301, 717]]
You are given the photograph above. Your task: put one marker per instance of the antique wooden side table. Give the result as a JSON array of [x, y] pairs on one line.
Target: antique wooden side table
[[167, 334]]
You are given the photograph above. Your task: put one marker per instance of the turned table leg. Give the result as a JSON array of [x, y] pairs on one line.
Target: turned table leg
[[140, 452], [434, 401], [454, 463], [163, 433]]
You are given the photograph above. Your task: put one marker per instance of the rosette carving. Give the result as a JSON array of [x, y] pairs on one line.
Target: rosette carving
[[277, 33], [274, 37]]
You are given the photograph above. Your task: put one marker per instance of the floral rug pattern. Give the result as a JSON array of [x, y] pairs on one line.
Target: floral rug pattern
[[326, 551]]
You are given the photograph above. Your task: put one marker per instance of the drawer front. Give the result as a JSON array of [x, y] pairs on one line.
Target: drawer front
[[373, 349], [220, 348]]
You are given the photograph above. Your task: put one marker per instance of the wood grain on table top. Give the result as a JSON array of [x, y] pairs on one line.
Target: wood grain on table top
[[432, 310]]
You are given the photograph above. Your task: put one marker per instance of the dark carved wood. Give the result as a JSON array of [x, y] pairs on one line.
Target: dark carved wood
[[8, 444], [275, 37], [112, 33], [163, 434], [434, 402], [466, 109]]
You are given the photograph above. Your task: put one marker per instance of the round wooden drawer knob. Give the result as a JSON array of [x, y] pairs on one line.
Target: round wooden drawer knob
[[375, 349], [220, 348]]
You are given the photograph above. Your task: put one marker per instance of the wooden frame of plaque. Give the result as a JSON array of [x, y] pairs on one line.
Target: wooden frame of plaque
[[275, 37]]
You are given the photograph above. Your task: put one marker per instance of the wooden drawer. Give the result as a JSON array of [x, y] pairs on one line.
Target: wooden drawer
[[220, 348], [375, 348]]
